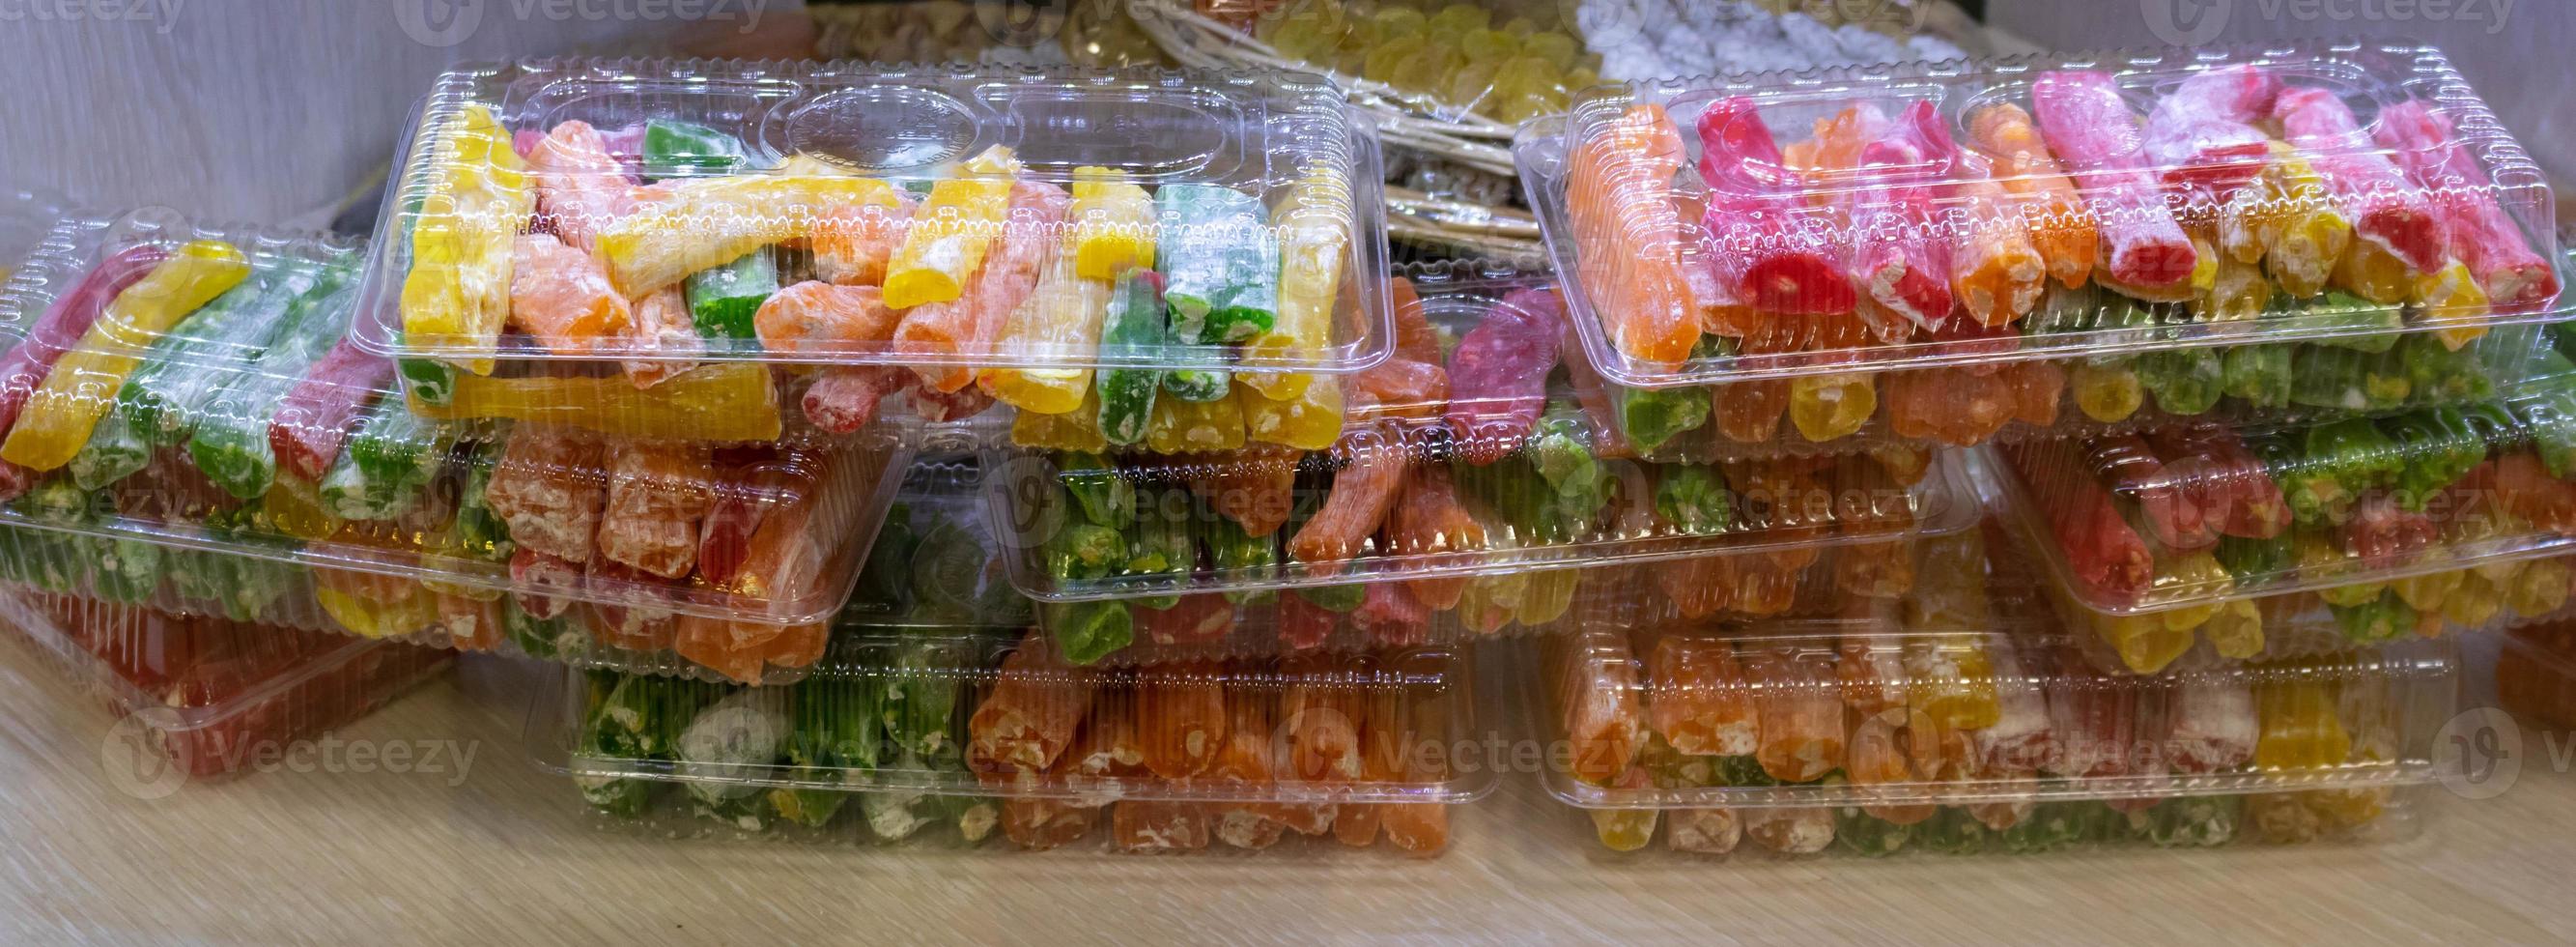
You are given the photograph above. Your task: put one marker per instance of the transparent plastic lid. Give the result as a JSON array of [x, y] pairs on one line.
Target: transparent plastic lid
[[212, 692], [1965, 406], [2535, 675], [2196, 517], [2484, 597], [936, 565], [1469, 454], [1902, 724], [1985, 212], [1287, 742], [977, 232], [192, 387]]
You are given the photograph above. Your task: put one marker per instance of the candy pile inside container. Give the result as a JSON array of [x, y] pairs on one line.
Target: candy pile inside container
[[186, 419], [213, 695], [931, 738], [1802, 741], [1973, 216], [1475, 466], [965, 234]]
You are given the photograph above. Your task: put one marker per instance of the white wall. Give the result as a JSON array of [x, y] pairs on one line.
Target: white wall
[[276, 111]]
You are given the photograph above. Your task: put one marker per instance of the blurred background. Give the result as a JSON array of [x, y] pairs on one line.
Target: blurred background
[[286, 111]]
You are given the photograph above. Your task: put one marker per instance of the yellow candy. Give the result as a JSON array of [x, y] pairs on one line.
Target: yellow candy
[[2144, 644], [2452, 297], [2314, 237], [1625, 830], [709, 222], [2371, 272], [60, 413], [1078, 429], [726, 401], [2425, 593], [1314, 233], [2236, 631], [2540, 588], [950, 232], [2474, 603], [2347, 808], [2301, 729], [1954, 683], [475, 199], [1312, 421], [1182, 427], [1113, 225], [293, 507], [2280, 818], [2240, 292], [1827, 407], [1061, 318], [1549, 595], [2106, 393], [366, 617]]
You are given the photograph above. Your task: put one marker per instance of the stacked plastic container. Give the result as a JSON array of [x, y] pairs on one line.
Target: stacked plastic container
[[2247, 348], [858, 263], [1974, 456]]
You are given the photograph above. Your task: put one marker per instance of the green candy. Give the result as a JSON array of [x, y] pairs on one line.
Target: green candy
[[1133, 330], [230, 443], [2258, 375], [168, 390], [1241, 556], [1221, 261], [723, 300], [129, 571], [1198, 385], [2195, 821], [675, 148], [2438, 446], [1105, 497], [1086, 632], [1651, 416], [1692, 500], [2252, 561], [2184, 382], [2382, 619], [2374, 328], [2439, 374], [481, 533]]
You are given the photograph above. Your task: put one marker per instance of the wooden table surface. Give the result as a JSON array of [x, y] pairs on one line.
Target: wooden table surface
[[504, 855]]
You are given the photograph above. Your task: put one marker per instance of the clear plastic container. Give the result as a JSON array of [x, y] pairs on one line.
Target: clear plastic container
[[1472, 456], [2281, 383], [191, 387], [1059, 211], [212, 696], [2192, 517], [2486, 597], [936, 565], [1797, 739], [1983, 213], [980, 732], [2535, 675]]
